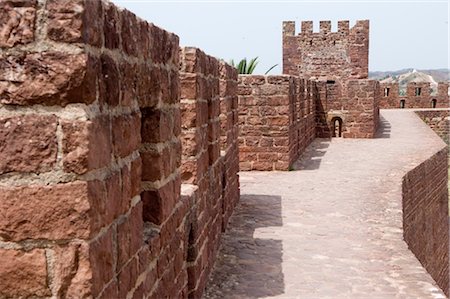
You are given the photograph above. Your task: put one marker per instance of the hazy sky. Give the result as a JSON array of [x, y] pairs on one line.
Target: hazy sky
[[403, 34]]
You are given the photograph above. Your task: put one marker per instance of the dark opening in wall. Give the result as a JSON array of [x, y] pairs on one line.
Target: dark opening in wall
[[402, 104], [331, 81], [190, 259], [418, 91], [336, 130], [386, 91], [310, 42], [433, 103]]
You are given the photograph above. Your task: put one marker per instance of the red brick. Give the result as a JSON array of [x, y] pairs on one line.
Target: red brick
[[74, 279], [64, 212], [110, 81], [128, 86], [129, 236], [149, 85], [102, 261], [28, 143], [127, 278], [158, 204], [130, 33], [126, 134], [157, 125], [17, 20], [75, 21], [86, 145], [23, 274], [48, 78], [111, 26]]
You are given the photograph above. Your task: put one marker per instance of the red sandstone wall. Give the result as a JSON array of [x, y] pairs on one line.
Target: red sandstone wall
[[276, 118], [355, 102], [229, 132], [206, 84], [438, 121], [73, 218], [333, 55], [411, 100], [425, 215], [90, 159]]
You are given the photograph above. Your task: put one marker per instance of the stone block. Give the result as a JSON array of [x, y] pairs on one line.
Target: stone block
[[28, 143]]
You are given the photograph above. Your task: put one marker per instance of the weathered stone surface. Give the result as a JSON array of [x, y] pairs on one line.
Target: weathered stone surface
[[81, 283], [28, 143], [101, 257], [23, 274], [110, 81], [57, 212], [73, 21], [17, 22], [125, 134], [47, 78], [86, 145], [129, 236], [72, 273]]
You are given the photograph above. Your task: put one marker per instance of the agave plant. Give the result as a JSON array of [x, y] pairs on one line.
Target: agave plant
[[245, 67]]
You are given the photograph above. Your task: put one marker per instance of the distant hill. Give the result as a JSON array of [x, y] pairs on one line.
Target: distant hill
[[438, 75]]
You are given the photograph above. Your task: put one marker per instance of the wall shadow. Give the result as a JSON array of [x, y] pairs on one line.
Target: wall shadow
[[249, 267], [311, 158], [384, 129]]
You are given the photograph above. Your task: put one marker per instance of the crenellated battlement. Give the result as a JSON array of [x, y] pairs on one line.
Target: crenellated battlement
[[326, 54], [307, 27]]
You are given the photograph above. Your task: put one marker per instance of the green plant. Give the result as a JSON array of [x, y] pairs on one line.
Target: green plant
[[245, 67]]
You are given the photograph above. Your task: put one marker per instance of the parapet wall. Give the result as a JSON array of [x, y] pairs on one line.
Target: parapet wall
[[332, 55], [276, 119], [229, 144], [206, 83], [438, 120], [425, 215], [418, 95], [94, 153]]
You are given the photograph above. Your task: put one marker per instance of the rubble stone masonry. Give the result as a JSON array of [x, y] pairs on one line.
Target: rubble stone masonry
[[91, 157]]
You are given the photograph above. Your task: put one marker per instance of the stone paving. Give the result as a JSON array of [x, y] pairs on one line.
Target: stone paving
[[332, 229]]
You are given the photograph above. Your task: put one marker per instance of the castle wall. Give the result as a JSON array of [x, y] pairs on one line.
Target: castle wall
[[229, 144], [207, 83], [438, 121], [276, 118], [425, 215], [418, 95], [93, 156], [333, 55], [354, 103]]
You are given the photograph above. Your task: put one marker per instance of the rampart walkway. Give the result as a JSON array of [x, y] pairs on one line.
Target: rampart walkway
[[332, 229]]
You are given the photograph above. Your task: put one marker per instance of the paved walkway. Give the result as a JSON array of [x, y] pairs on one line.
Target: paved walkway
[[332, 229]]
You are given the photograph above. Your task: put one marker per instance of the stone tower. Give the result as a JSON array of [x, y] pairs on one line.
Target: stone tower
[[326, 55]]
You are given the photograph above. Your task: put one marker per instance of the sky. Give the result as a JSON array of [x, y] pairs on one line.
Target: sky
[[403, 34]]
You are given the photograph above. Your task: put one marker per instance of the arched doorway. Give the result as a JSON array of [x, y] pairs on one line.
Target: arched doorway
[[336, 127], [402, 104], [433, 103]]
